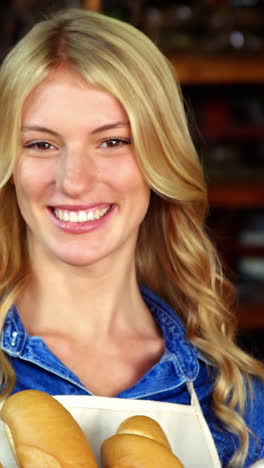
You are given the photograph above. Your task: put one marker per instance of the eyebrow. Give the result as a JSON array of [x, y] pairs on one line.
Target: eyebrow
[[111, 125], [108, 126], [38, 128]]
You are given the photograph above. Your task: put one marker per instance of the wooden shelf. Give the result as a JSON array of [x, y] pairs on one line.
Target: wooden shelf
[[235, 132], [224, 69], [250, 316], [236, 195], [93, 5], [243, 249], [205, 69]]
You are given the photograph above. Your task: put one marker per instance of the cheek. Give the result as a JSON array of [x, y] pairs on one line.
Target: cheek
[[30, 178], [127, 178]]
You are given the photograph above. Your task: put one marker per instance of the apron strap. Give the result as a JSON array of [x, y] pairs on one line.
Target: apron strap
[[204, 426]]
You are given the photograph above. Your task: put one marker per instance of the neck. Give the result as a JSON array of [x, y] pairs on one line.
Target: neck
[[83, 301]]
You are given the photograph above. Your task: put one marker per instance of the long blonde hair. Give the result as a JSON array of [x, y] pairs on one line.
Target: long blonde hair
[[174, 255]]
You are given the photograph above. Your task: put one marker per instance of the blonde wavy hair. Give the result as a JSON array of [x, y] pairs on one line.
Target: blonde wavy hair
[[174, 257]]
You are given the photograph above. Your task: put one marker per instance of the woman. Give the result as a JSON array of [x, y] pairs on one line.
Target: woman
[[109, 284]]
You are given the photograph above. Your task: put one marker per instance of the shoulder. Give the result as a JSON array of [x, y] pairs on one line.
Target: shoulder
[[255, 398], [225, 441], [254, 411]]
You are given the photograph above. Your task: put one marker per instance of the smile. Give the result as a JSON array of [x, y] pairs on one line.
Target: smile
[[81, 216]]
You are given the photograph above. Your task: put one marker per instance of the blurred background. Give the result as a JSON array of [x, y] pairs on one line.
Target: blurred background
[[217, 50]]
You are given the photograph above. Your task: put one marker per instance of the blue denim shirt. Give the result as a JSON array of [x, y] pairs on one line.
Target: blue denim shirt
[[38, 368]]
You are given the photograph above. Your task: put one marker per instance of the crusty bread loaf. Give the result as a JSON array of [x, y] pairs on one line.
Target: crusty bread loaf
[[139, 442], [43, 433]]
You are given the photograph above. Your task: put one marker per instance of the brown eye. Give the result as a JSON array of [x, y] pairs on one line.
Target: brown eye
[[40, 145], [115, 142]]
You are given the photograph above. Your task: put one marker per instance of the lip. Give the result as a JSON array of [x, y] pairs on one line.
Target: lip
[[81, 228], [80, 207]]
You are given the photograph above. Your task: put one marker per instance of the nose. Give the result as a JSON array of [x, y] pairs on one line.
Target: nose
[[76, 173]]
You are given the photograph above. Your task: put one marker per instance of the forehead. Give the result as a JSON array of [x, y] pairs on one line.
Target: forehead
[[63, 92]]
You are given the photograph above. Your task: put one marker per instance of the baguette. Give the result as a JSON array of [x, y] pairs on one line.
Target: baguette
[[42, 432], [139, 442]]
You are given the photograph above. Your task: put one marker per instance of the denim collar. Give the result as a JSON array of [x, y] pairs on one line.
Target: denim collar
[[178, 365], [174, 334]]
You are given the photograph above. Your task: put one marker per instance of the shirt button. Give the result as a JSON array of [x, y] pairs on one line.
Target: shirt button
[[14, 338]]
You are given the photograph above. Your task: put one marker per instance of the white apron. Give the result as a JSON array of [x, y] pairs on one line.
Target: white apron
[[99, 417]]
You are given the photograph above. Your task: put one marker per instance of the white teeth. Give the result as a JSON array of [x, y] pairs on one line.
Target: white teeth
[[73, 217], [64, 215], [80, 216], [90, 216]]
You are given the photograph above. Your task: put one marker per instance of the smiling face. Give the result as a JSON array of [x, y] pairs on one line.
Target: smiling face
[[78, 186]]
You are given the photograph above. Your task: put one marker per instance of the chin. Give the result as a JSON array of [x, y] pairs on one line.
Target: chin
[[79, 262]]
